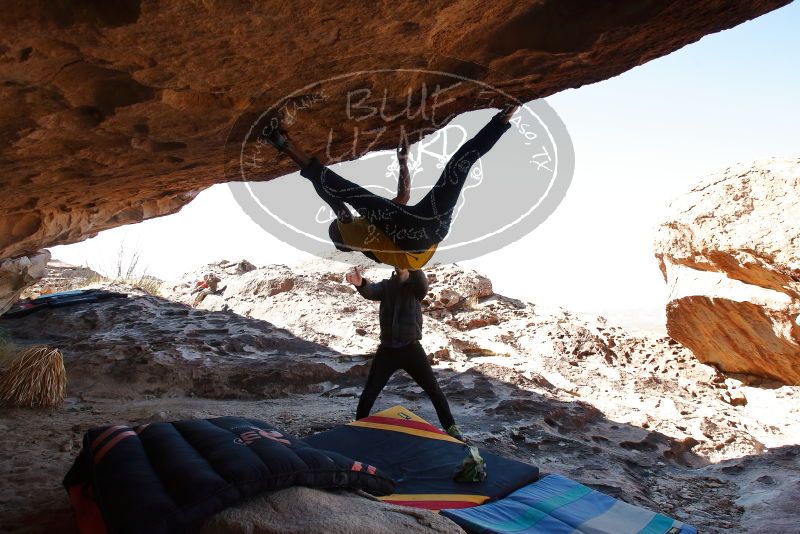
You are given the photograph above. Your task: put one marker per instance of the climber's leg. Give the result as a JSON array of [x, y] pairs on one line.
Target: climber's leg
[[274, 135], [442, 198]]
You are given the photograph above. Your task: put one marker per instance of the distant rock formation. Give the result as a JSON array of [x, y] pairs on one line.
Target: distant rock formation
[[730, 253], [116, 112], [62, 276]]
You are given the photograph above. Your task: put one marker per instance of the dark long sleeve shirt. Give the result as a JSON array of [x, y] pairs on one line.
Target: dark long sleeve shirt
[[401, 306]]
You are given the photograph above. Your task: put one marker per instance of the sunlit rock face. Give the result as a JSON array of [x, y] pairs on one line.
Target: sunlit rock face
[[115, 112], [730, 253], [16, 274]]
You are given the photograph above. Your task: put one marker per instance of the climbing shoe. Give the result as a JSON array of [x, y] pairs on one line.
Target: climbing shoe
[[506, 112], [472, 468], [274, 135]]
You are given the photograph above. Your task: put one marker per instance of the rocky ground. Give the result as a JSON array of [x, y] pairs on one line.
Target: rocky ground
[[629, 413]]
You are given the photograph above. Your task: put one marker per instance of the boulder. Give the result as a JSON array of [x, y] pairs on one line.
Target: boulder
[[729, 251], [19, 273], [301, 510], [147, 345], [238, 282], [451, 286], [261, 283]]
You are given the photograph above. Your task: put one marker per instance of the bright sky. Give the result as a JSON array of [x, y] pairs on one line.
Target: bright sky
[[641, 139]]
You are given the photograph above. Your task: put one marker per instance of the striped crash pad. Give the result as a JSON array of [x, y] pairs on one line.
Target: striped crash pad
[[558, 505], [421, 459]]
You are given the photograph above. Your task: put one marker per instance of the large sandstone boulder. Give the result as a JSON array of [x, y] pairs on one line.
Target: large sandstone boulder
[[730, 253], [19, 273], [144, 345], [116, 112]]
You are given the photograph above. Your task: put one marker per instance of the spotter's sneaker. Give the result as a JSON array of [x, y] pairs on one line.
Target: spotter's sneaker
[[455, 432]]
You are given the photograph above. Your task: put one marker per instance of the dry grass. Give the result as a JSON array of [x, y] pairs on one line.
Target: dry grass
[[128, 271], [7, 351], [35, 378], [148, 284]]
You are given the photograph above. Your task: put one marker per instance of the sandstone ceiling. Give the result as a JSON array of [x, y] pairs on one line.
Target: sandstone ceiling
[[112, 112]]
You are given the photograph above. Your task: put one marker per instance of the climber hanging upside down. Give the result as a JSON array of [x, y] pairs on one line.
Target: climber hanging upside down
[[390, 231]]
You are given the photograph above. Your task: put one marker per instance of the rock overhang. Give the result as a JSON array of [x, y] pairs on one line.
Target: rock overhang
[[118, 112]]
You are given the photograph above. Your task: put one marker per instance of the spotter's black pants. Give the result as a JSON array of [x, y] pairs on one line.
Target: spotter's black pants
[[413, 360]]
